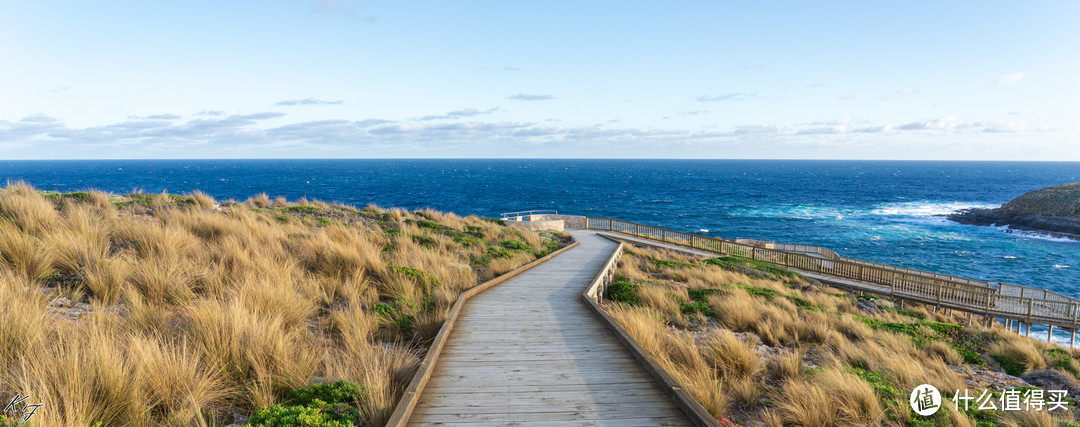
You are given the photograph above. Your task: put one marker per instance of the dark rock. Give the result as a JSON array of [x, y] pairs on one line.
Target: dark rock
[[1052, 380], [1054, 210], [1058, 226], [867, 306]]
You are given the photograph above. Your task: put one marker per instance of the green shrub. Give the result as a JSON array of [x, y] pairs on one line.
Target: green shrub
[[754, 290], [515, 245], [696, 307], [802, 303], [321, 405], [467, 240], [497, 252], [415, 274], [1011, 367], [701, 294], [494, 221], [432, 225], [331, 393], [882, 387], [1061, 359], [670, 263], [384, 309], [623, 290], [425, 241]]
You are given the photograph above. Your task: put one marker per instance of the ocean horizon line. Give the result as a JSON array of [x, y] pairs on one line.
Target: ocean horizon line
[[547, 158]]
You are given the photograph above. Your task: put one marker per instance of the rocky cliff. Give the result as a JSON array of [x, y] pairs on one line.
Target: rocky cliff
[[1054, 210]]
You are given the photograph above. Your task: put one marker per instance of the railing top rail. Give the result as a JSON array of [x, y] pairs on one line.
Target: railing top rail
[[506, 215], [999, 290]]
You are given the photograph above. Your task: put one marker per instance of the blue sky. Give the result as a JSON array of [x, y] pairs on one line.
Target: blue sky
[[338, 78]]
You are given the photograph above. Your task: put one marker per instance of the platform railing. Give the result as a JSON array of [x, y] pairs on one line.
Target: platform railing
[[521, 215]]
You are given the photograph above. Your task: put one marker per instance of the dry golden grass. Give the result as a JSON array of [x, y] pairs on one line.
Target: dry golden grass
[[773, 355], [200, 309]]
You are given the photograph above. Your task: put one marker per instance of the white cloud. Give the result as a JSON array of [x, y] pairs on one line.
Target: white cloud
[[530, 97], [466, 112], [731, 96], [947, 123], [1003, 126], [255, 134], [1008, 79], [309, 101], [907, 90], [847, 97], [162, 117]]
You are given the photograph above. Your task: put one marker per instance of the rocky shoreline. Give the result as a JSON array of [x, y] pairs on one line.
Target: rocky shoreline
[[1052, 225], [1051, 210]]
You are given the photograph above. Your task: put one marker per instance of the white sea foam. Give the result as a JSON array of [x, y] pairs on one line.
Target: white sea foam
[[1028, 234], [703, 230], [1060, 266], [801, 212], [1009, 257], [924, 208]]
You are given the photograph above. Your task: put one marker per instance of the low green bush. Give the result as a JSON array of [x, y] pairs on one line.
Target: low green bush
[[320, 405], [515, 245], [624, 290]]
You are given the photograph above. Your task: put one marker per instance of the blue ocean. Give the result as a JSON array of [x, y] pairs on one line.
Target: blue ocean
[[883, 211]]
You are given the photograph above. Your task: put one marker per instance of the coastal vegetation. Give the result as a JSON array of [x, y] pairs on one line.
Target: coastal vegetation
[[759, 345], [166, 309]]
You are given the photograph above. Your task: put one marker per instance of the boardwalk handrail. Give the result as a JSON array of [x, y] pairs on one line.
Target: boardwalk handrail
[[975, 296], [593, 296], [790, 247]]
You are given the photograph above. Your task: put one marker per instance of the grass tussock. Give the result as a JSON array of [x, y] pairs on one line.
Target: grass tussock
[[160, 309], [759, 345]]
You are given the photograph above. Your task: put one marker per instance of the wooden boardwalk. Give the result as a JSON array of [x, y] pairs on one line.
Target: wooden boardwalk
[[529, 351], [1004, 307]]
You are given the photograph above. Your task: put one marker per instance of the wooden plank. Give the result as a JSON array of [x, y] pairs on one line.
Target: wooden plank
[[544, 398], [614, 383]]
